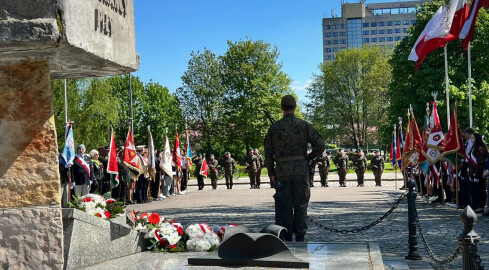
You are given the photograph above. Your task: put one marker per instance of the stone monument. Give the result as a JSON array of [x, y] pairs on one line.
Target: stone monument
[[42, 40]]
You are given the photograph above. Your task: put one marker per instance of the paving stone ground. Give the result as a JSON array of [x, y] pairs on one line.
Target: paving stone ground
[[338, 207]]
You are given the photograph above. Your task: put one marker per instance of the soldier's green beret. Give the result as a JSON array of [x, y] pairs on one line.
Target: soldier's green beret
[[376, 151], [211, 155], [359, 149], [227, 153], [199, 155]]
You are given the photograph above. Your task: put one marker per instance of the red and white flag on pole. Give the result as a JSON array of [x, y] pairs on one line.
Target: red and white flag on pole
[[468, 28], [112, 166], [177, 158], [203, 169], [445, 26], [131, 159]]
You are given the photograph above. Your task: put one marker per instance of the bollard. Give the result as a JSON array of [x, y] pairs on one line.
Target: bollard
[[412, 240], [468, 240]]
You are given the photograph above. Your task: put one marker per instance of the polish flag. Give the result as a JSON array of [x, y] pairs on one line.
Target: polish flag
[[468, 28], [203, 169], [445, 26]]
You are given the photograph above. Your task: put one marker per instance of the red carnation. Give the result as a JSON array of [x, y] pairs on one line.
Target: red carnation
[[107, 214], [88, 199], [180, 230], [172, 221], [98, 215], [154, 218], [109, 201], [143, 215], [172, 247]]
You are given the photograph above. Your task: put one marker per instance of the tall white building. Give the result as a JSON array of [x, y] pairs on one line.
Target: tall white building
[[377, 24]]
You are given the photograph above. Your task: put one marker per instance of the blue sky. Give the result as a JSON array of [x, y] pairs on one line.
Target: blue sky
[[168, 31]]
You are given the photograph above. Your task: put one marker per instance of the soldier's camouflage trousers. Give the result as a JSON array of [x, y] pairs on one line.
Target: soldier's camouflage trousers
[[257, 178], [360, 175], [295, 193], [378, 177], [324, 177], [252, 175], [342, 176]]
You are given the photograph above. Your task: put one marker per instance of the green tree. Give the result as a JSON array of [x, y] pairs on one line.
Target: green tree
[[348, 97], [254, 81], [74, 104], [410, 87], [202, 102]]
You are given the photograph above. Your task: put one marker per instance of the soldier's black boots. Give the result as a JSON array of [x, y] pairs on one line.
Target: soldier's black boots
[[287, 237], [299, 238]]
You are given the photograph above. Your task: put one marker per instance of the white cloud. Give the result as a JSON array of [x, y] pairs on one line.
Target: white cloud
[[300, 86]]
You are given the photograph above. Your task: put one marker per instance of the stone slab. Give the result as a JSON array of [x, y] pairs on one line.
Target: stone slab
[[30, 238], [322, 256], [89, 240], [79, 38]]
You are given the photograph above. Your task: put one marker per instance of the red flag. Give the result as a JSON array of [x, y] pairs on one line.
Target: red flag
[[468, 28], [203, 169], [131, 159], [177, 158], [112, 166], [453, 141]]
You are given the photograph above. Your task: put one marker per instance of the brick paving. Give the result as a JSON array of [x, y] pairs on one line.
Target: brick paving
[[339, 207]]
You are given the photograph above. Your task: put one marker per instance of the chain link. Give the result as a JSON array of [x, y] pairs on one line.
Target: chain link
[[364, 228], [432, 256], [476, 258]]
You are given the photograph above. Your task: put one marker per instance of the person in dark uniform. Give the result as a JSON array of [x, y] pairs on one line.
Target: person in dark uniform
[[312, 170], [251, 168], [198, 166], [229, 165], [341, 162], [323, 165], [260, 162], [212, 164], [286, 159], [377, 168], [360, 165]]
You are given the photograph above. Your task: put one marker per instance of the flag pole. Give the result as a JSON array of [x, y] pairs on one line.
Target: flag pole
[[457, 185], [66, 103], [66, 122], [186, 150], [130, 103], [447, 91], [395, 163], [470, 84]]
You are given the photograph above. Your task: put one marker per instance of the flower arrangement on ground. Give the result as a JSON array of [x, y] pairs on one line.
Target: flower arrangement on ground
[[97, 205], [201, 238], [163, 235]]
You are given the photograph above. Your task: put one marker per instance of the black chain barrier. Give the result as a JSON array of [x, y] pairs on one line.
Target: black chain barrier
[[364, 228], [449, 259]]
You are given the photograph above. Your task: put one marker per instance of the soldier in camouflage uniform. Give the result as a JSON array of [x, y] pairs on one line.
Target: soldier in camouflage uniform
[[212, 164], [251, 168], [312, 170], [286, 159], [377, 168], [229, 165], [360, 164], [341, 162], [260, 162], [323, 166]]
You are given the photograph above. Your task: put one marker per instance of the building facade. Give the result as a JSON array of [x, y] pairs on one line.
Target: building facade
[[382, 24]]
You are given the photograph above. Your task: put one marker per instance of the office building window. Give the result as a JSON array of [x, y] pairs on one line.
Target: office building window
[[365, 33], [327, 27], [342, 26], [389, 23], [397, 23], [397, 31], [381, 39], [374, 24], [327, 42], [327, 34], [335, 34], [381, 32], [366, 40], [398, 38], [334, 26], [343, 41], [381, 23], [365, 25], [373, 32], [390, 38], [335, 41], [404, 30], [343, 34], [406, 22], [335, 49], [373, 40], [413, 22], [389, 31], [327, 50], [354, 29], [328, 57]]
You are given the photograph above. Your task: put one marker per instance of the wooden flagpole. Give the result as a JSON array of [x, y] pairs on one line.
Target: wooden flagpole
[[470, 84]]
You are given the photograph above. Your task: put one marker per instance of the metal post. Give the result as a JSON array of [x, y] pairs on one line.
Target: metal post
[[447, 91], [66, 105], [130, 102], [470, 85], [413, 240], [468, 240]]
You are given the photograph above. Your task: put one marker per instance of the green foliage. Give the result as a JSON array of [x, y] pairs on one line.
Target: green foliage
[[410, 87], [349, 96]]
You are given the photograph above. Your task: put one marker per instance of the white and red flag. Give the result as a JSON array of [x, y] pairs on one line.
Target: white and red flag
[[203, 169], [131, 159], [177, 158], [112, 166], [433, 148], [166, 161], [468, 28], [151, 156], [445, 26]]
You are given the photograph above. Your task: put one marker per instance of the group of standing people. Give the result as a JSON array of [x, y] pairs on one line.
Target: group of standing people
[[254, 164], [228, 163]]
